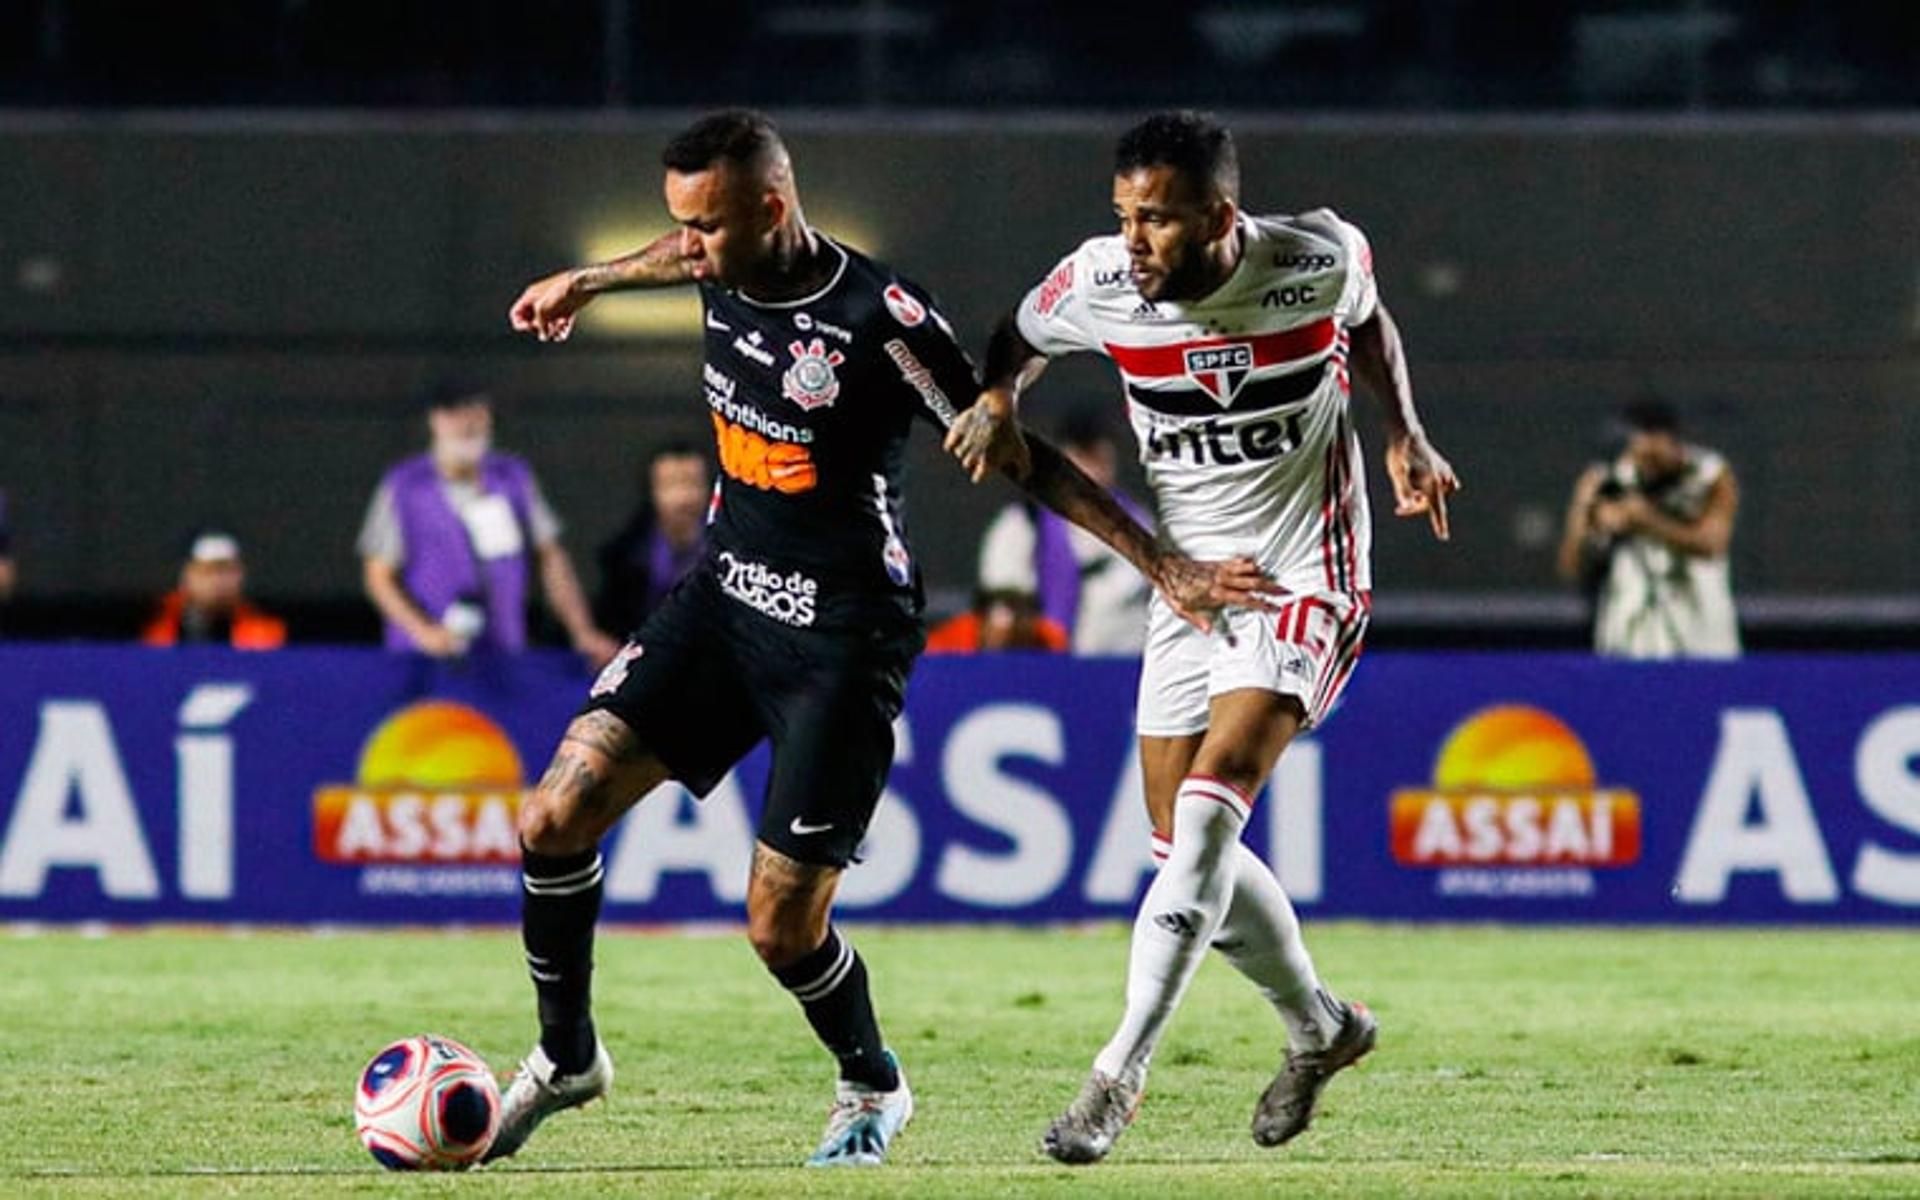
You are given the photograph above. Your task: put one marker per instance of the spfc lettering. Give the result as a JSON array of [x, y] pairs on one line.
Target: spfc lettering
[[1220, 370]]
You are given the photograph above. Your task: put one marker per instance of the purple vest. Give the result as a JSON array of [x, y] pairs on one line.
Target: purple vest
[[440, 565], [1054, 566]]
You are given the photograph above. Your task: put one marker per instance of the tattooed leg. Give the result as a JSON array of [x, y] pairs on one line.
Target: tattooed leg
[[598, 773], [788, 905]]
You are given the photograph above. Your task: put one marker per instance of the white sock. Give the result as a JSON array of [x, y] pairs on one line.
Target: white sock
[[1178, 919], [1260, 936]]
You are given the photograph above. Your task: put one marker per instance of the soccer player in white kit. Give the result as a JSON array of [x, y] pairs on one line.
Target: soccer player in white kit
[[1236, 338]]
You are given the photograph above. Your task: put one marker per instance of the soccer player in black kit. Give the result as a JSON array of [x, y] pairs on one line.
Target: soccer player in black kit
[[801, 624]]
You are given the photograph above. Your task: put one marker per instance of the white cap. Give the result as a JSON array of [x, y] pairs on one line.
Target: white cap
[[215, 547]]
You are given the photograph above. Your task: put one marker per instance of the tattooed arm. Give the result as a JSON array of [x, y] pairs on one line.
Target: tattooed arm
[[547, 307], [988, 437], [1194, 589]]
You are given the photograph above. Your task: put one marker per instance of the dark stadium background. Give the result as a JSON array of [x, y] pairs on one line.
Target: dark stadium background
[[239, 240]]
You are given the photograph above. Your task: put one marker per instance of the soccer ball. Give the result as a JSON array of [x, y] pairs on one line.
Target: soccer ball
[[426, 1104]]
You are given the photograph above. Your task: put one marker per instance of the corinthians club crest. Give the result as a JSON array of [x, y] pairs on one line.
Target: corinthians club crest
[[810, 381]]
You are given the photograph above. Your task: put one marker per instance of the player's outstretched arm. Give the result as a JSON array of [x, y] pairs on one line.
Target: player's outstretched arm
[[1195, 590], [1422, 478], [547, 307]]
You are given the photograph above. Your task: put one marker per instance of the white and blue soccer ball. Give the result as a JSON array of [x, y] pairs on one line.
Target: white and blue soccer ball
[[426, 1103]]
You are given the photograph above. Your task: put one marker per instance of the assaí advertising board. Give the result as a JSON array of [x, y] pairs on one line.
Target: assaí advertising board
[[329, 786]]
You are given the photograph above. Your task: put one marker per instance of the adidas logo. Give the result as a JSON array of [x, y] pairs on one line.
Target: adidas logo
[[1178, 924]]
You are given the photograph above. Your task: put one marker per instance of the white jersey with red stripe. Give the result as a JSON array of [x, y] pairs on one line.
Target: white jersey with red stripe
[[1239, 400]]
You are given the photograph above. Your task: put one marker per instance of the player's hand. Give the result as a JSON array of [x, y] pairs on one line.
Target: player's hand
[[1197, 590], [546, 309], [1628, 514], [986, 438], [596, 647], [1586, 489], [1422, 481]]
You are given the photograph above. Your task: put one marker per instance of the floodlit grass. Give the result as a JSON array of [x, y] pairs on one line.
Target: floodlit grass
[[1558, 1062]]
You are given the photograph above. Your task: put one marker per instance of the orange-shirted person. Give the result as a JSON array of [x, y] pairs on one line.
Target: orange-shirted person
[[209, 607], [1000, 619]]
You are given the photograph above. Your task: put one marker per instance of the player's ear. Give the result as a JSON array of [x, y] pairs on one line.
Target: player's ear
[[774, 205], [1225, 214]]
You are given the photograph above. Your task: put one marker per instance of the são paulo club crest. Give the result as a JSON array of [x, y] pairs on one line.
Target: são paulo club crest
[[810, 381], [1220, 370]]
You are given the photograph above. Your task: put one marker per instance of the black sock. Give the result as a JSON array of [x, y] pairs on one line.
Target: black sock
[[831, 986], [559, 904]]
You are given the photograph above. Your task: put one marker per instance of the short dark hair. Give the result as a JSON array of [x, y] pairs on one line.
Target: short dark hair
[[674, 448], [1651, 414], [741, 136], [1192, 143], [456, 393]]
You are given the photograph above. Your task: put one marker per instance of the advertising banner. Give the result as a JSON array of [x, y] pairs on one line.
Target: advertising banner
[[351, 786]]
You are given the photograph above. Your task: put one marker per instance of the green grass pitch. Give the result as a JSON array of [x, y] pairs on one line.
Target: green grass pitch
[[1512, 1061]]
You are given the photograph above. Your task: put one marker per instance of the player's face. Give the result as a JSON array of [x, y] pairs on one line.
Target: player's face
[[1167, 223], [1656, 454], [726, 222]]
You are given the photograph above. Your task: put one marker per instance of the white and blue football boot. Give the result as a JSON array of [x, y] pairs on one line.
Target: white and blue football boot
[[863, 1123]]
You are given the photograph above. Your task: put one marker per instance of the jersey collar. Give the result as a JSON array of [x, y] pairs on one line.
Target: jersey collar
[[831, 283]]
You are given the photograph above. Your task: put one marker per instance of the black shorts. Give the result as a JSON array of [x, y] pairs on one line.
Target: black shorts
[[706, 678]]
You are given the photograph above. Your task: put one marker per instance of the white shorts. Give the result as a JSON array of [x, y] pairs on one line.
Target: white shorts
[[1305, 650]]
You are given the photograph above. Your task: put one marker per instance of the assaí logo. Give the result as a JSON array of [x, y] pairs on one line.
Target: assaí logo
[[439, 784], [1515, 809]]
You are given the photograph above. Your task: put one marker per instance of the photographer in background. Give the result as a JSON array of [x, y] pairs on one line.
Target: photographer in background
[[1647, 534]]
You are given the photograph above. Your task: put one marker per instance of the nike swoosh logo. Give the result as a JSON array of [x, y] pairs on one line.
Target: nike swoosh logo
[[715, 323], [803, 829]]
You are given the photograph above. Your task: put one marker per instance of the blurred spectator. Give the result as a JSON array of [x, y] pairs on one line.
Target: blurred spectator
[[660, 542], [6, 559], [210, 608], [1000, 619], [1082, 585], [1648, 533], [452, 536]]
